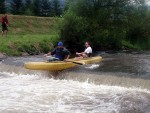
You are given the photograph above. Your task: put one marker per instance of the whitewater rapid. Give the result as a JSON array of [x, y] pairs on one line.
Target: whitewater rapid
[[40, 94], [119, 84]]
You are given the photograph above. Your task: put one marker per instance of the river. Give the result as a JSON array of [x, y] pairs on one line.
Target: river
[[118, 84]]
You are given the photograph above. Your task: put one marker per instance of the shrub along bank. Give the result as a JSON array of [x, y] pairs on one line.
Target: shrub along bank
[[107, 24]]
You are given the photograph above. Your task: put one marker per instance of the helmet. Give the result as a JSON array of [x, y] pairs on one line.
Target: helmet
[[60, 43]]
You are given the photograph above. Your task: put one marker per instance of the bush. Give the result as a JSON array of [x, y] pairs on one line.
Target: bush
[[74, 31], [105, 24]]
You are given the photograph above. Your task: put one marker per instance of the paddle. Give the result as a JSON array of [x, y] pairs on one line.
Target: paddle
[[76, 62], [56, 59]]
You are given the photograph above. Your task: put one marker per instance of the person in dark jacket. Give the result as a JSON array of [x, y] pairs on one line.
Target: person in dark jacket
[[59, 53]]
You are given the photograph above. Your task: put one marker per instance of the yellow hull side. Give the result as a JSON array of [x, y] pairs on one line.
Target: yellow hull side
[[60, 65]]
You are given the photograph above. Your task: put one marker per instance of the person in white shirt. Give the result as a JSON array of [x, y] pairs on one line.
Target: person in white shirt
[[87, 52]]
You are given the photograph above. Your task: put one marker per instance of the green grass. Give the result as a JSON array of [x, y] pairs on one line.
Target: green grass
[[128, 45], [30, 35], [16, 45], [139, 45], [35, 35], [32, 25]]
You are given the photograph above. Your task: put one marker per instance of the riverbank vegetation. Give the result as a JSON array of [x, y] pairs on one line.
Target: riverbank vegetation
[[29, 35], [107, 24], [19, 24], [42, 8], [22, 45]]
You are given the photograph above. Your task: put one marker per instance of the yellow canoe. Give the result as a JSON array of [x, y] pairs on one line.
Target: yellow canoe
[[61, 65]]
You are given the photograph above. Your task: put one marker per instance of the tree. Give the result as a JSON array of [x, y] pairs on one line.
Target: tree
[[36, 7], [57, 11], [2, 6], [28, 3], [45, 8], [17, 7], [41, 7], [28, 7], [138, 29], [103, 22], [67, 4]]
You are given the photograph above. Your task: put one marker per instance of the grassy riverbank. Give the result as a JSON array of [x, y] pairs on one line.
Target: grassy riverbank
[[29, 35], [32, 25], [17, 45]]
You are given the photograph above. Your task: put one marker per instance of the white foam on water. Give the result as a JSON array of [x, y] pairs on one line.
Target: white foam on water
[[39, 94], [93, 66]]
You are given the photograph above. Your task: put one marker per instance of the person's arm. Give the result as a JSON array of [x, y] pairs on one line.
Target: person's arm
[[80, 53], [67, 58], [50, 53], [47, 54], [67, 53], [6, 24], [5, 21]]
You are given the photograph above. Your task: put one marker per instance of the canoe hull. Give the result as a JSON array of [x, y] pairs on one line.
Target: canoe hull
[[59, 66]]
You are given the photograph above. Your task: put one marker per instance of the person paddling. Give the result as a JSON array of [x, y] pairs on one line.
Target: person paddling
[[59, 53], [87, 52]]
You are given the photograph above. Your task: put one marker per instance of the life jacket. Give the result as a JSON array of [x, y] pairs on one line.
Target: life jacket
[[60, 53]]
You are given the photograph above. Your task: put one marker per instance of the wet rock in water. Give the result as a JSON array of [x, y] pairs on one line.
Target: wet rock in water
[[2, 56]]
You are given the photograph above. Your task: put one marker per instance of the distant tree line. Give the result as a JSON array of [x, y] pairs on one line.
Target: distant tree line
[[2, 6], [32, 7]]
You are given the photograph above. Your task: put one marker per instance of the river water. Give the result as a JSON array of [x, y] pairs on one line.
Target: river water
[[118, 84]]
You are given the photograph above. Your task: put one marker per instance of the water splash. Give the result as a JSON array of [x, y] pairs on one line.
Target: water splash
[[35, 93], [93, 66]]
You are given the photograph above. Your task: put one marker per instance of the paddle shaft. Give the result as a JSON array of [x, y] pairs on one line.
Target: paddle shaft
[[72, 62], [68, 61], [76, 62]]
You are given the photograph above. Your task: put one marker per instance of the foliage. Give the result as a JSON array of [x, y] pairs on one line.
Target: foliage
[[22, 25], [28, 44], [17, 7], [28, 7], [29, 35], [105, 23], [35, 7], [139, 29], [73, 31], [57, 10], [45, 8], [2, 6]]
